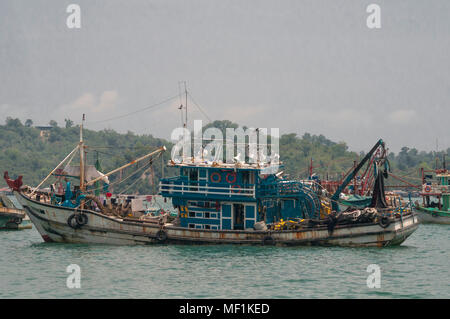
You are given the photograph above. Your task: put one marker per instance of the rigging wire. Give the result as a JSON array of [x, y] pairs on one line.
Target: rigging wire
[[181, 103], [147, 166], [137, 111], [137, 180], [179, 95], [119, 181], [200, 108]]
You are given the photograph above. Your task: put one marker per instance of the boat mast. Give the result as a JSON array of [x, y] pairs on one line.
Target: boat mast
[[81, 147], [186, 118], [186, 98], [54, 170]]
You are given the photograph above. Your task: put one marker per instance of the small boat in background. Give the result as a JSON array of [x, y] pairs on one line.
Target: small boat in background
[[435, 207], [12, 216]]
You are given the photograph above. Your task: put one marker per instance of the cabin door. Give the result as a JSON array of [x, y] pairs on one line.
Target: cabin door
[[193, 179], [238, 216]]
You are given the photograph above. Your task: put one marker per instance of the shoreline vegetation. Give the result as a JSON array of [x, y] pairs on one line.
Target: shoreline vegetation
[[31, 151]]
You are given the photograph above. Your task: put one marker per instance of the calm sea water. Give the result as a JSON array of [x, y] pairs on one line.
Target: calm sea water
[[30, 268]]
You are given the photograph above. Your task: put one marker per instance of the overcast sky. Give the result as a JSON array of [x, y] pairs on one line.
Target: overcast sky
[[301, 66]]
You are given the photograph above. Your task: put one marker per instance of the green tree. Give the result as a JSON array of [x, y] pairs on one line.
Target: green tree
[[13, 123], [69, 123]]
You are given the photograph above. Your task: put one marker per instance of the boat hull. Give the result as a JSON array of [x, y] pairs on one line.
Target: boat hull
[[15, 219], [52, 223], [432, 215]]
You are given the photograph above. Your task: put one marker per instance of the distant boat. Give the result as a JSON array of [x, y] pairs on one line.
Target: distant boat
[[11, 214], [435, 207]]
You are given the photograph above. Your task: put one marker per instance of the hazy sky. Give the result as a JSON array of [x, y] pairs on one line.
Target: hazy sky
[[302, 66]]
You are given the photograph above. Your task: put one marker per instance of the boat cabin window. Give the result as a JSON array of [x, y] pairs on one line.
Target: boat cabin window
[[193, 174], [238, 216], [248, 177]]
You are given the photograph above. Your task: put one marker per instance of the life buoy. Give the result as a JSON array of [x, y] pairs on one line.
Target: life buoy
[[236, 189], [427, 189], [233, 178], [215, 180]]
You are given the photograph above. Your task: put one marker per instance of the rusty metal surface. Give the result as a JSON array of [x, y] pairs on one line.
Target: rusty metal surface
[[11, 212]]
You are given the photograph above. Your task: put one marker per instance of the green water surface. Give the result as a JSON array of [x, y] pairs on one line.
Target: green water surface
[[30, 268]]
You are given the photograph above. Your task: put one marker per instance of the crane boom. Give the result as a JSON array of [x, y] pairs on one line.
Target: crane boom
[[159, 150], [335, 197]]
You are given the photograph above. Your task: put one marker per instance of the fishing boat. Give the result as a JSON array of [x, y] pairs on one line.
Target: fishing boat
[[11, 214], [217, 203], [238, 203], [435, 207]]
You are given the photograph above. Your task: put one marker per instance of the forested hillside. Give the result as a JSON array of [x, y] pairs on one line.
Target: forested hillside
[[26, 151]]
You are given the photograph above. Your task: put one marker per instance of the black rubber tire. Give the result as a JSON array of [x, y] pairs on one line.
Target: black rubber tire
[[161, 236], [72, 222], [81, 219], [268, 241], [332, 221], [384, 222], [77, 220], [18, 220]]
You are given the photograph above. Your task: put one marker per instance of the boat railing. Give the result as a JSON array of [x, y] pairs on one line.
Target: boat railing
[[204, 188], [281, 188]]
